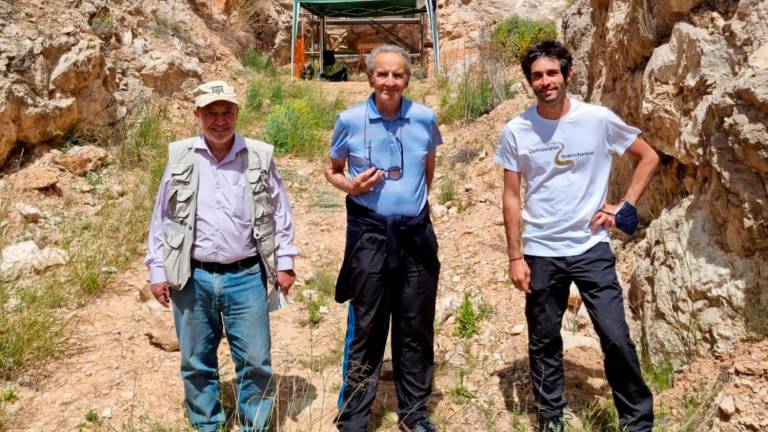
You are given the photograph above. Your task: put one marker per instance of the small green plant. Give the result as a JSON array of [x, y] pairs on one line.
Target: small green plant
[[91, 416], [94, 178], [313, 312], [293, 127], [29, 330], [473, 99], [149, 135], [659, 375], [477, 92], [8, 395], [324, 282], [459, 393], [514, 36], [102, 23], [259, 62], [484, 310], [467, 320], [294, 117], [599, 416], [447, 190]]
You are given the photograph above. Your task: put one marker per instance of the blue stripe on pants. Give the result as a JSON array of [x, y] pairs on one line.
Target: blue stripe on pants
[[345, 361]]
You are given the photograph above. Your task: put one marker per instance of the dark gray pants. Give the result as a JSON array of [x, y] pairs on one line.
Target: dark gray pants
[[594, 274]]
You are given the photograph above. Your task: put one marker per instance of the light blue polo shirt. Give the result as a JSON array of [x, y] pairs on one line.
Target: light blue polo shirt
[[364, 138]]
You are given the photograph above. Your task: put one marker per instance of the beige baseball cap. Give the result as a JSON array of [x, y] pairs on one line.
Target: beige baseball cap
[[213, 91]]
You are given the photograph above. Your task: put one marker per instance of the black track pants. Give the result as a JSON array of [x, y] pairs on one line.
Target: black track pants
[[407, 294], [594, 274]]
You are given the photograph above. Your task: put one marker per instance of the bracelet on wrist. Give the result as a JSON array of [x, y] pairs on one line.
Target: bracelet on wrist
[[516, 259]]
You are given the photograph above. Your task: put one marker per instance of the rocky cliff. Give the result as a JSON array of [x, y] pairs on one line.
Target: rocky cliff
[[693, 75], [81, 64]]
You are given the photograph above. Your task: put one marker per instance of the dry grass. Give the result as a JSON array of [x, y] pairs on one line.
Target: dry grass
[[100, 246]]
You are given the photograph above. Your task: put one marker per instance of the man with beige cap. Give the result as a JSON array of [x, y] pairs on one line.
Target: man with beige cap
[[220, 237]]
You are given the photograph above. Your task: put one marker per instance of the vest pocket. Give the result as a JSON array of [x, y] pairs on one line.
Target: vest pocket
[[181, 174], [172, 253], [179, 205], [174, 238]]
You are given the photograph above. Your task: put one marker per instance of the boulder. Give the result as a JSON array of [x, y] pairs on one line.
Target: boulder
[[80, 160], [37, 176], [25, 257], [165, 340], [30, 213]]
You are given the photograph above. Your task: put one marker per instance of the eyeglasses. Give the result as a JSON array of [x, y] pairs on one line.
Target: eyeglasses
[[394, 172]]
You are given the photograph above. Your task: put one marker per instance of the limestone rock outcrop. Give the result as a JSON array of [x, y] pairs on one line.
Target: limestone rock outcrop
[[52, 80], [78, 67], [693, 75]]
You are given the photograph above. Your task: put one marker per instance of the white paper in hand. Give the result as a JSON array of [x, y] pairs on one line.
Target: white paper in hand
[[276, 300]]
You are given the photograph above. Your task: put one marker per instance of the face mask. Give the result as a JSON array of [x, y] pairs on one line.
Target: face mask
[[626, 218]]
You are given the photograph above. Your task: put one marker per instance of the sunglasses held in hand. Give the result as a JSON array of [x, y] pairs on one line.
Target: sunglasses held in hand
[[394, 172]]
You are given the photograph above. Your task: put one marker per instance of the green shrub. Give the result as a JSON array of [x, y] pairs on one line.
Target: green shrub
[[313, 311], [102, 24], [293, 127], [259, 62], [599, 416], [467, 319], [476, 94], [148, 136], [460, 394], [294, 117], [473, 99], [659, 375], [324, 282], [297, 125], [514, 36]]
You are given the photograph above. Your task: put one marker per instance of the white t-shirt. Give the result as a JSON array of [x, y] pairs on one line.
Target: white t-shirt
[[565, 164]]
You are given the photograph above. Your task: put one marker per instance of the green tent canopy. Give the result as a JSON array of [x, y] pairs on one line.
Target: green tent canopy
[[363, 8], [366, 9]]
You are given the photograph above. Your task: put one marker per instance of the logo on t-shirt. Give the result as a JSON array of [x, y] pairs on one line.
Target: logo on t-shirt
[[560, 159]]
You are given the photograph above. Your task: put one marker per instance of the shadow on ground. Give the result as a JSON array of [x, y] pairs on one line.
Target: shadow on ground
[[294, 395], [582, 385], [386, 399]]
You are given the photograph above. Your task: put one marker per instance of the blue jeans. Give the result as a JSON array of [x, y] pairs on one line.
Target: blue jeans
[[236, 302]]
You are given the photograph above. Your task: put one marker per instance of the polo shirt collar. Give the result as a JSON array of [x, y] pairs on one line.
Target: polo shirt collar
[[403, 113], [238, 146]]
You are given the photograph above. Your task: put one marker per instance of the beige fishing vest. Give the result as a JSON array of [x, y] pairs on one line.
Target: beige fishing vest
[[182, 206]]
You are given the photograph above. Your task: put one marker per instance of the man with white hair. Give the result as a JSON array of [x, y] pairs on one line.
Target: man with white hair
[[221, 235], [388, 145]]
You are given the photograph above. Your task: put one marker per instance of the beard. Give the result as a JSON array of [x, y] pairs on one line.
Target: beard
[[556, 95]]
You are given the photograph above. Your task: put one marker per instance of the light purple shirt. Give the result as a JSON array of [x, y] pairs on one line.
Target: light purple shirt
[[223, 227]]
